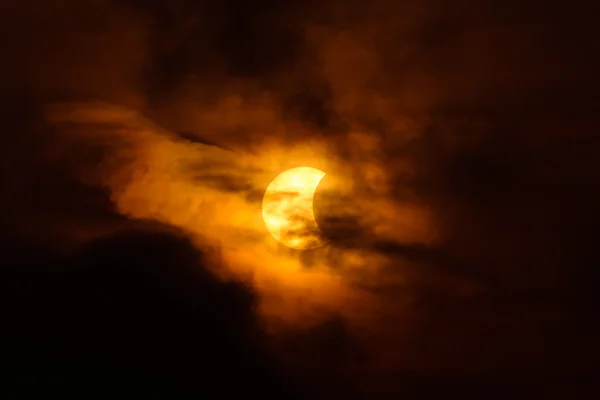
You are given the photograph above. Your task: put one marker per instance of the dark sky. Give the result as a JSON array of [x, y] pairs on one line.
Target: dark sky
[[481, 113]]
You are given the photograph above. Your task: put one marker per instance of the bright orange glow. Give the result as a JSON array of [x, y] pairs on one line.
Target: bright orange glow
[[154, 175]]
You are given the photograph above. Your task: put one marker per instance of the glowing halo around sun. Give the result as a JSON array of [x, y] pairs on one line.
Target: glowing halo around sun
[[287, 208]]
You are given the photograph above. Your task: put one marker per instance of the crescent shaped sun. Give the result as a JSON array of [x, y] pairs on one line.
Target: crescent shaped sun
[[287, 208]]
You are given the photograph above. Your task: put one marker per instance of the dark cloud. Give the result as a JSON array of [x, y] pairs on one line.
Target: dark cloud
[[138, 310]]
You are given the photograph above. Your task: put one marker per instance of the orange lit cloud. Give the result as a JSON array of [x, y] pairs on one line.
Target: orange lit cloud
[[215, 195]]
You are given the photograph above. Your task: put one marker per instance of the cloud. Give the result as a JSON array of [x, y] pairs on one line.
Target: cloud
[[457, 141], [139, 304]]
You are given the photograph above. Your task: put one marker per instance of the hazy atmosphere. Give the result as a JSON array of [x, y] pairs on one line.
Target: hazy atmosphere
[[456, 218]]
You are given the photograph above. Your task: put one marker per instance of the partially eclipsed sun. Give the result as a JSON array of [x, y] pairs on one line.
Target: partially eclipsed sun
[[287, 208]]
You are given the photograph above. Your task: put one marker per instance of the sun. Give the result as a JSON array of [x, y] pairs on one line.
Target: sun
[[287, 208]]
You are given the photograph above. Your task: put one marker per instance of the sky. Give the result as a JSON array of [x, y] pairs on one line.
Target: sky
[[459, 143]]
